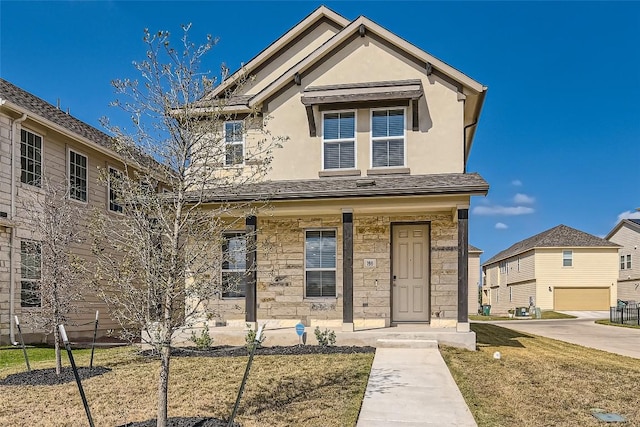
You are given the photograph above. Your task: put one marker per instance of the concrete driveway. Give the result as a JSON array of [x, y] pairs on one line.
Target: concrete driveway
[[583, 331]]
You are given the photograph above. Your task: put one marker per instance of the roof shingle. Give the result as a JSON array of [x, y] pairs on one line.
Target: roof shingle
[[559, 236]]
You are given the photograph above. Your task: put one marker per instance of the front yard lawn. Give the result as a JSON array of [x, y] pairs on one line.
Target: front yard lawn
[[609, 323], [542, 382], [305, 390]]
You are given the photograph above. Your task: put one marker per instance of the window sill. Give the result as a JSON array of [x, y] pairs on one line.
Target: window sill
[[339, 172], [320, 299], [389, 171]]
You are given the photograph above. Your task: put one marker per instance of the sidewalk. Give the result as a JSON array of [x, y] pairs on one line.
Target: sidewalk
[[412, 387]]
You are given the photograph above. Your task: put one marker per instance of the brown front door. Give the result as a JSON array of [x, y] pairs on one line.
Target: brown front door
[[410, 273]]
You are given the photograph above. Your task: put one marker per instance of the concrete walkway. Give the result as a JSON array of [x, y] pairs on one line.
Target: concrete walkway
[[412, 387]]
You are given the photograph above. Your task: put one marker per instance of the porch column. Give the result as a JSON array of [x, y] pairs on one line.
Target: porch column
[[251, 297], [463, 265], [347, 271]]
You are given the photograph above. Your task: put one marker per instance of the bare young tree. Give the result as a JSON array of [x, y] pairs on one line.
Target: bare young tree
[[159, 252], [48, 259]]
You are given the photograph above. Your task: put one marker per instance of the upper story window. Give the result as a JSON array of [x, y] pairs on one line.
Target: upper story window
[[320, 263], [622, 263], [503, 267], [234, 140], [30, 273], [338, 140], [77, 176], [567, 258], [628, 261], [234, 265], [114, 177], [30, 158], [387, 138]]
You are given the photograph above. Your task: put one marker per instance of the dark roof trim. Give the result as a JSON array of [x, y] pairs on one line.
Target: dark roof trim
[[362, 92]]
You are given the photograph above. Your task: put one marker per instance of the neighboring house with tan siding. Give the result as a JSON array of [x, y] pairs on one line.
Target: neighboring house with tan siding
[[474, 279], [40, 142], [559, 269], [368, 220], [627, 234]]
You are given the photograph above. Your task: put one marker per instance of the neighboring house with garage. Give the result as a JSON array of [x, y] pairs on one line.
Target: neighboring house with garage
[[559, 269], [39, 142], [627, 234], [474, 279], [368, 218]]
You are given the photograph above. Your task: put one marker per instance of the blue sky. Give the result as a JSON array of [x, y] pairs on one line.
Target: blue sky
[[559, 135]]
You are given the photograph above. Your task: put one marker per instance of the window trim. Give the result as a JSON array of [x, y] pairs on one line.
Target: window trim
[[35, 134], [34, 281], [339, 140], [86, 178], [226, 235], [116, 211], [564, 258], [622, 262], [226, 144], [404, 138], [334, 269], [510, 293], [629, 262]]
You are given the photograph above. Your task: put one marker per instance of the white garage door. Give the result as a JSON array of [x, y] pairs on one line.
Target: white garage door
[[581, 299]]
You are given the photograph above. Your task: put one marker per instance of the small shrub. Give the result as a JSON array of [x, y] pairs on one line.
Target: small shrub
[[250, 338], [325, 338], [204, 341]]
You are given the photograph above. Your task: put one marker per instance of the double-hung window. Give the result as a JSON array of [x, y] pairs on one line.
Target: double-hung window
[[339, 140], [234, 265], [234, 141], [629, 261], [621, 262], [387, 138], [320, 263], [30, 158], [77, 176], [30, 272], [115, 179], [567, 258]]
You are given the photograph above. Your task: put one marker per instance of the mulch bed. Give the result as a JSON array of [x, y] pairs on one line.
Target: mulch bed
[[49, 377], [230, 351], [183, 422]]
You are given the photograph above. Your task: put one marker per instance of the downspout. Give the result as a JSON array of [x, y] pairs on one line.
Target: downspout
[[464, 144], [12, 278]]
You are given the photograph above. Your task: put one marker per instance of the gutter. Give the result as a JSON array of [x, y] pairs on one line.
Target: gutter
[[15, 125]]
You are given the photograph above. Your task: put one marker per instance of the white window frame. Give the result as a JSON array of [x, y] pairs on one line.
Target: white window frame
[[628, 261], [34, 281], [226, 294], [339, 140], [109, 199], [334, 269], [37, 180], [404, 137], [622, 263], [567, 258], [71, 174], [233, 143]]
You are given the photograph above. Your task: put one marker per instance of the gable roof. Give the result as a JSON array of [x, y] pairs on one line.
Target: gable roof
[[320, 13], [631, 223], [474, 249], [559, 236], [21, 101]]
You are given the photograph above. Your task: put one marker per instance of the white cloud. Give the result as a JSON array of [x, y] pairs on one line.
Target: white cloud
[[523, 199], [629, 215], [516, 183], [502, 210], [501, 226]]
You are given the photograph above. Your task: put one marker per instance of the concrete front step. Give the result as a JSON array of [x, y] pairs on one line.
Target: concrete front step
[[406, 343]]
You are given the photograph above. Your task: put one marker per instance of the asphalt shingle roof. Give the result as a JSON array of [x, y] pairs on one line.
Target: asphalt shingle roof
[[474, 249], [559, 236], [42, 108], [340, 187]]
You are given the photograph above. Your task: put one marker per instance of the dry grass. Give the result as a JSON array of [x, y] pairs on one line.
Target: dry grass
[[315, 390], [542, 382]]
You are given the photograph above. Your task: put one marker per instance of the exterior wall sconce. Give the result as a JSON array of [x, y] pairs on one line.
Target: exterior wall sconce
[[550, 290]]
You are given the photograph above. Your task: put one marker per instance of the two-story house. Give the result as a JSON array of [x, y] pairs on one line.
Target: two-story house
[[369, 205], [627, 234], [39, 142], [559, 269]]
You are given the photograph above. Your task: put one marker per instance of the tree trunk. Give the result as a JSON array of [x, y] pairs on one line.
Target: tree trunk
[[163, 384], [56, 344]]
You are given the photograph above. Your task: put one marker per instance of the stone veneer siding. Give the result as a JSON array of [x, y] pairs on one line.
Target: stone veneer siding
[[281, 271]]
